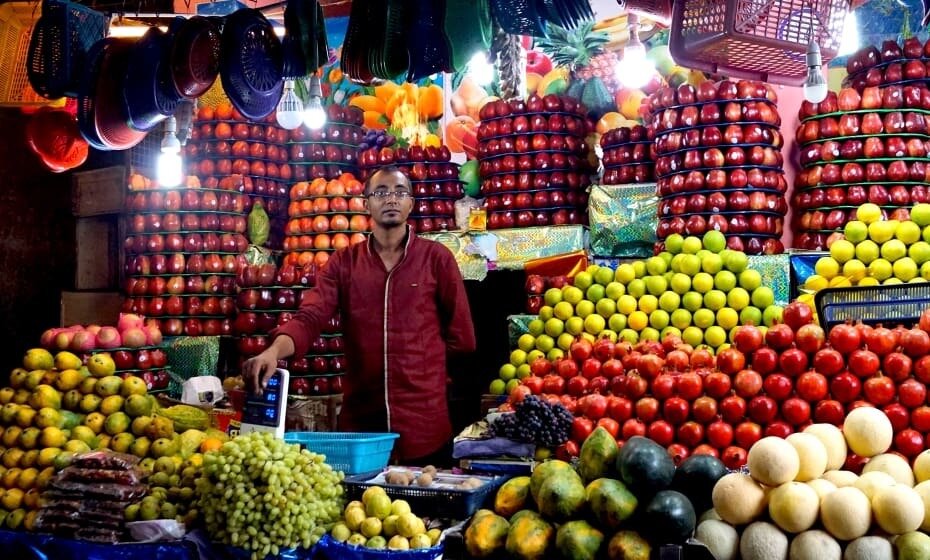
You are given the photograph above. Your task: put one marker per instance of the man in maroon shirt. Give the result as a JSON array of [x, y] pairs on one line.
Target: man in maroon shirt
[[403, 307]]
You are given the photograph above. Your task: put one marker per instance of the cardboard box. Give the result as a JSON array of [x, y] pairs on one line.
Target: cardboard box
[[97, 192], [97, 253], [100, 308]]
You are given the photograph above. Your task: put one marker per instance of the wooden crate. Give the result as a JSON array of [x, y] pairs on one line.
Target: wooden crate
[[85, 308], [100, 191], [97, 247]]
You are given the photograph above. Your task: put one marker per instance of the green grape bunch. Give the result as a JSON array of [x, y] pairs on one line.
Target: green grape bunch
[[264, 495]]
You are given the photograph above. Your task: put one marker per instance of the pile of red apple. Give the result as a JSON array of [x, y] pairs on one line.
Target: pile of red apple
[[774, 384], [182, 254], [329, 151], [268, 298], [533, 161], [324, 216], [536, 285], [135, 344], [718, 163], [857, 148], [433, 177], [629, 156], [894, 64]]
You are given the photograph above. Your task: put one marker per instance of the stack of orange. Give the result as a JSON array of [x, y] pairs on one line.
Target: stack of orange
[[324, 216]]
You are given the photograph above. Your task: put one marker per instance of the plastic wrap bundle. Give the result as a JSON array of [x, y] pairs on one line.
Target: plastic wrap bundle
[[86, 500]]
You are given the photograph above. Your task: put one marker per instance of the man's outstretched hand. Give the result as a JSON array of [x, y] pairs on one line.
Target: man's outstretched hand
[[257, 370]]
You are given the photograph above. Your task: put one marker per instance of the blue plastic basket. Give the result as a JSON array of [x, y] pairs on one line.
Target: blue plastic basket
[[351, 453], [59, 46], [898, 304]]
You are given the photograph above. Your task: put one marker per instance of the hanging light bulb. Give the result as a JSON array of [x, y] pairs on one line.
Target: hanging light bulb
[[480, 69], [170, 167], [314, 114], [290, 110], [634, 70], [815, 87]]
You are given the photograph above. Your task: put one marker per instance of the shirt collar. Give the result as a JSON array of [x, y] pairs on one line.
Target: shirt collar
[[408, 240]]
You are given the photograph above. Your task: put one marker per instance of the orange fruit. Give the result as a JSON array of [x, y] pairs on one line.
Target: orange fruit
[[211, 444]]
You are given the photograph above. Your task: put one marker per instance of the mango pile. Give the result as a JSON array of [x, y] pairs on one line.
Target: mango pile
[[377, 522], [57, 407]]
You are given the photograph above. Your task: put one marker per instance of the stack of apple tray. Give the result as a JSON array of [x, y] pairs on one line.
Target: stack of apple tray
[[719, 164], [629, 156], [533, 161], [869, 143]]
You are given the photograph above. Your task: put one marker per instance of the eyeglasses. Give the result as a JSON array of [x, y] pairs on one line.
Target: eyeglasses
[[384, 195]]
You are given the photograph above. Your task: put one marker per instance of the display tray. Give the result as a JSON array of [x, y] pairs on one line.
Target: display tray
[[725, 213], [848, 207], [719, 147], [721, 168], [334, 163], [746, 235], [715, 102], [127, 348], [167, 295], [532, 209], [747, 189], [230, 157], [531, 133], [491, 157], [231, 140], [919, 135], [864, 160], [315, 196], [530, 114], [220, 253], [627, 143], [485, 176], [182, 274], [661, 131], [182, 230], [879, 110], [444, 498], [313, 215], [615, 166], [184, 189], [319, 143]]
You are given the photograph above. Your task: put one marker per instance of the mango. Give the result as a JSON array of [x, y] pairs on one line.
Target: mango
[[610, 501], [598, 455], [486, 535], [529, 537], [512, 496], [578, 540]]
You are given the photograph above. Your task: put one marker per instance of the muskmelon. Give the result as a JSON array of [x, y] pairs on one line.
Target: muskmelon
[[922, 466], [794, 506], [815, 545], [763, 541], [822, 486], [923, 490], [738, 499], [867, 431], [812, 455], [898, 509], [846, 513], [870, 482], [773, 461], [894, 465], [841, 478], [869, 548], [720, 538], [833, 441]]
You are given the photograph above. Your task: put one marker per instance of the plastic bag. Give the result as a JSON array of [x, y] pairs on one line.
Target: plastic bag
[[105, 460], [99, 490], [334, 550], [623, 220], [156, 530], [259, 225], [124, 477]]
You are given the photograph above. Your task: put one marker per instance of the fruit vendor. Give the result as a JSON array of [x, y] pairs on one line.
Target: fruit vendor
[[404, 309]]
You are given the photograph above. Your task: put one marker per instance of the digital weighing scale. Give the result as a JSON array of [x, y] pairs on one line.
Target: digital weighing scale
[[266, 412]]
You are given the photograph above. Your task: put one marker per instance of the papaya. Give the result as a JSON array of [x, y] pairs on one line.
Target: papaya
[[561, 496], [598, 455], [610, 501], [628, 545], [578, 540], [486, 535], [543, 471], [529, 537], [645, 467], [512, 496]]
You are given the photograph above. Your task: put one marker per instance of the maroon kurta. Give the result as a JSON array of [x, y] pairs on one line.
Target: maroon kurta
[[398, 327]]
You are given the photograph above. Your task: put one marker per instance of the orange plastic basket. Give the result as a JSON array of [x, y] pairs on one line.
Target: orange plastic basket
[[16, 21], [755, 39]]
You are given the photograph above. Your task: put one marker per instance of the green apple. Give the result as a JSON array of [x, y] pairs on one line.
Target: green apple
[[690, 264], [614, 290], [574, 326], [724, 280], [656, 285], [523, 371], [584, 308], [604, 275], [555, 354], [658, 319], [630, 336], [637, 320], [552, 296], [536, 327], [763, 297], [636, 288], [534, 355], [892, 282], [880, 232], [594, 324], [855, 270], [511, 385], [702, 283], [675, 265], [703, 318], [625, 274], [868, 213], [925, 271], [674, 242], [649, 333], [583, 280], [554, 327], [714, 300], [751, 315], [738, 298], [497, 387], [592, 269], [563, 310], [617, 322], [750, 279], [572, 294], [639, 268], [608, 334], [626, 304], [827, 267], [727, 318], [669, 331], [892, 250], [565, 341], [605, 307], [905, 269], [692, 301], [856, 231], [712, 263], [669, 301], [594, 293], [919, 251], [518, 357], [507, 372], [880, 269], [546, 313], [920, 215], [714, 241], [656, 266], [772, 315], [680, 283], [648, 303], [736, 261], [666, 256], [693, 336], [526, 342], [691, 245], [680, 319]]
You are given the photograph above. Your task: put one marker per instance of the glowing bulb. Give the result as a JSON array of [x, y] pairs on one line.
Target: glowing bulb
[[634, 70], [314, 114], [290, 110], [169, 167], [849, 43], [480, 70], [815, 86]]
